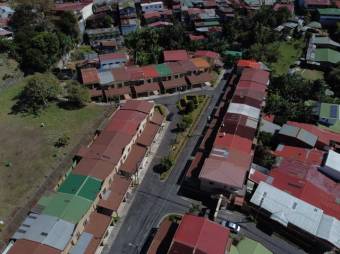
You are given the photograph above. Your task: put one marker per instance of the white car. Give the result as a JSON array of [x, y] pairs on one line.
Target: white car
[[234, 228]]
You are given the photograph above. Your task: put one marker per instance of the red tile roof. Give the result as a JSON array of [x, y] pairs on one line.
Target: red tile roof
[[115, 195], [157, 118], [196, 37], [149, 87], [22, 246], [150, 71], [311, 156], [175, 55], [134, 159], [175, 67], [152, 14], [234, 142], [258, 76], [100, 169], [200, 78], [240, 125], [148, 134], [112, 56], [318, 3], [89, 76], [138, 105], [248, 64], [77, 6], [117, 91], [228, 172], [188, 66], [174, 83], [207, 53], [306, 182], [199, 235], [251, 86], [97, 226], [257, 176]]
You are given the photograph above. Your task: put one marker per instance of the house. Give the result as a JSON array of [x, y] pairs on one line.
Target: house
[[199, 235], [314, 4], [112, 60], [322, 52], [127, 17], [329, 115], [27, 246], [6, 12], [102, 33], [95, 232], [146, 90], [329, 16], [175, 55], [297, 216], [326, 138], [82, 10], [293, 135], [152, 6], [331, 166]]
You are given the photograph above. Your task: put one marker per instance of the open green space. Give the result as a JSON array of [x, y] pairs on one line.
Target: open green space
[[311, 74], [9, 68], [28, 154], [289, 52]]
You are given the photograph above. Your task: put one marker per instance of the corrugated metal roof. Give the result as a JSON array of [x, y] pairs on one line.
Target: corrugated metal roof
[[163, 70], [45, 229], [65, 206], [105, 77], [81, 245], [245, 110], [83, 186], [289, 130], [285, 208]]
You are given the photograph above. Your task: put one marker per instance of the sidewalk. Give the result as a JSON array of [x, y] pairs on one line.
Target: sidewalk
[[126, 206]]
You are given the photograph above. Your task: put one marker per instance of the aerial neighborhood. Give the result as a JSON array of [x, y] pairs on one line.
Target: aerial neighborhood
[[169, 127]]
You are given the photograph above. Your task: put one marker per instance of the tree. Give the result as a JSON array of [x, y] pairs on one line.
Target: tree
[[68, 24], [38, 92], [264, 157], [63, 141], [42, 52], [190, 106], [333, 79], [77, 94]]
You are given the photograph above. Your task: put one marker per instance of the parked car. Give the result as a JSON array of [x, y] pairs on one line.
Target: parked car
[[170, 116], [234, 228]]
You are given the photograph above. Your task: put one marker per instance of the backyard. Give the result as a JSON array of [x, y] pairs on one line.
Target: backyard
[[289, 52], [28, 154]]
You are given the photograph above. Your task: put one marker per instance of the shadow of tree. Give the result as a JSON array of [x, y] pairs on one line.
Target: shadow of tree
[[68, 105]]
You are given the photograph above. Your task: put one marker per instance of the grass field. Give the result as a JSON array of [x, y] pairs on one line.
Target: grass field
[[27, 151], [8, 68], [289, 52], [311, 74]]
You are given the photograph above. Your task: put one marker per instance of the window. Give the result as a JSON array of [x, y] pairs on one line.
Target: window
[[294, 205], [43, 234]]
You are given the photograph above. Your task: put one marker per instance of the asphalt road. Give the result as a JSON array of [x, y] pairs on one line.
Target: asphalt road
[[155, 199], [249, 229]]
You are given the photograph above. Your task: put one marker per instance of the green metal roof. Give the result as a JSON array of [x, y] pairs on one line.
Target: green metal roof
[[65, 206], [325, 40], [232, 53], [326, 108], [163, 70], [327, 55], [329, 11], [79, 185], [249, 246]]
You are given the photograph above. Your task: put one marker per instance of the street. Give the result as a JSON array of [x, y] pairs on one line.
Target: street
[[155, 199]]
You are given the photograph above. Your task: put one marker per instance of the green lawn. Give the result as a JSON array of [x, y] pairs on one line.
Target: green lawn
[[27, 151], [289, 52], [311, 74], [8, 68]]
